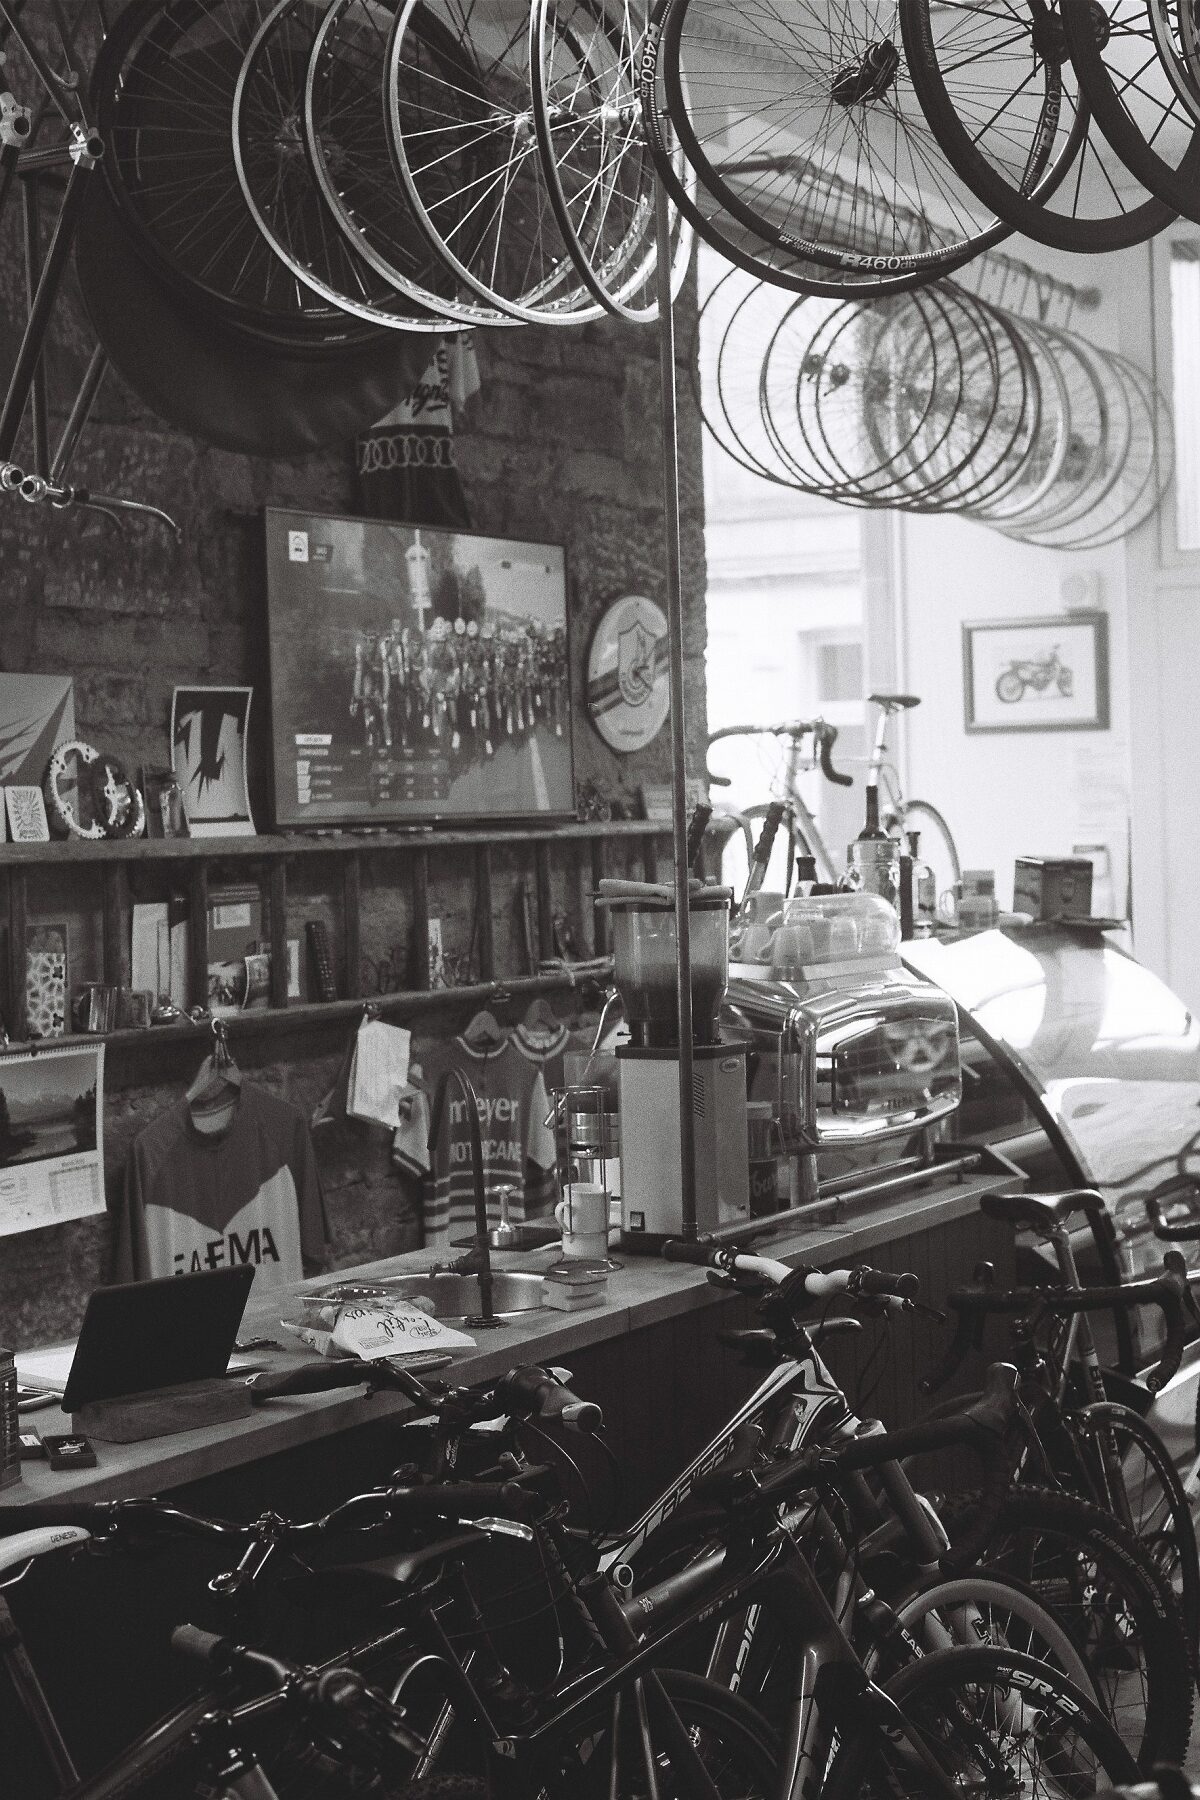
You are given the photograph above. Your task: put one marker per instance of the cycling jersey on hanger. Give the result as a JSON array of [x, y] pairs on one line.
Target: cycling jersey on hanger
[[512, 1128], [250, 1194]]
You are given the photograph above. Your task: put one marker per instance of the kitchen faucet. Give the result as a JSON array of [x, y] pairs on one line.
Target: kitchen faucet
[[478, 1260]]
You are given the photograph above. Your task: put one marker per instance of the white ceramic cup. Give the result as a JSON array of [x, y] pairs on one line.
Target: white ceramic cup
[[583, 1215]]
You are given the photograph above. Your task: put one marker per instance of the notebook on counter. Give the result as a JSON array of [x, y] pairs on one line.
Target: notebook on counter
[[145, 1335]]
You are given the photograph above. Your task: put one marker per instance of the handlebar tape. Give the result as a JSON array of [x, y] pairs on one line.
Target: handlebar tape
[[766, 837], [534, 1392], [1186, 1231], [828, 739], [697, 826]]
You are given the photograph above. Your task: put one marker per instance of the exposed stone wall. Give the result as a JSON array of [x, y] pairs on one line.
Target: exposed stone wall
[[562, 444]]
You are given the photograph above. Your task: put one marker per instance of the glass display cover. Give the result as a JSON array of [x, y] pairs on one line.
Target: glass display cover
[[415, 673]]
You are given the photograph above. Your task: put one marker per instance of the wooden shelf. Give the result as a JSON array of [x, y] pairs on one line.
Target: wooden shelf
[[319, 1015], [267, 861], [271, 847]]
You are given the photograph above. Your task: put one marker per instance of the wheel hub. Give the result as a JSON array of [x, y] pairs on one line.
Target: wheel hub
[[869, 79]]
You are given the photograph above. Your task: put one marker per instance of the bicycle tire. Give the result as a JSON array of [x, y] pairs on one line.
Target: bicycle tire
[[1003, 1606], [705, 1709], [1138, 109], [941, 1696], [1171, 1547], [1092, 1573], [994, 154]]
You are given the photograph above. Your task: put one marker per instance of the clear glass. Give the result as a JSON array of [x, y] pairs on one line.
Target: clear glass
[[644, 951]]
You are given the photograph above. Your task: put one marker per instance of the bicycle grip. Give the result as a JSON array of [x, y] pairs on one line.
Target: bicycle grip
[[686, 1250], [828, 739], [879, 1281], [205, 1647], [766, 837], [534, 1392]]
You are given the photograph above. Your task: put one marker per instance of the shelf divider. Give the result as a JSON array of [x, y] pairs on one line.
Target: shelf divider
[[352, 924], [277, 895]]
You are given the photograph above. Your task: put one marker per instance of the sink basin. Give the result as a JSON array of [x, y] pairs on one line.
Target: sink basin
[[449, 1296]]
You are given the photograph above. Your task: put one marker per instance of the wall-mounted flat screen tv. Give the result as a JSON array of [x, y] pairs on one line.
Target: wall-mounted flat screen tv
[[416, 674]]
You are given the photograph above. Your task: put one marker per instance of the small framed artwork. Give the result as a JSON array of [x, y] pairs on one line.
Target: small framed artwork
[[27, 821], [1047, 674], [208, 737]]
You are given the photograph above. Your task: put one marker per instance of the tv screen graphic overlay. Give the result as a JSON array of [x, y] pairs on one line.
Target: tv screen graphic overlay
[[415, 673]]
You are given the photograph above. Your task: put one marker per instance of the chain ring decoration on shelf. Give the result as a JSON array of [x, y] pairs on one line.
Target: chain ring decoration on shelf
[[997, 85], [277, 185], [459, 115], [804, 126], [106, 803], [1137, 106], [627, 677], [163, 92], [346, 136], [584, 57]]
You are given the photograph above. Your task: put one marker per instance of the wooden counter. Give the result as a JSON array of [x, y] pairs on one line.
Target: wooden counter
[[645, 1294]]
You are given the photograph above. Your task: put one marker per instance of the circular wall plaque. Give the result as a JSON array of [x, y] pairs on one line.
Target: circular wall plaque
[[628, 682]]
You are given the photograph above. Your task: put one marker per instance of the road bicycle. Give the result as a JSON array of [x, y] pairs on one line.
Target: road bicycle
[[893, 1538], [916, 824], [1081, 1430]]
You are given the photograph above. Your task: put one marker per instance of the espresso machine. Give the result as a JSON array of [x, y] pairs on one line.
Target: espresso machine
[[644, 971]]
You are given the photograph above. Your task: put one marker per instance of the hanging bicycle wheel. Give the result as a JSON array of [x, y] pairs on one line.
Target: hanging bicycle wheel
[[597, 166], [732, 373], [804, 126], [1136, 105], [1176, 28], [1003, 100], [781, 264], [347, 143], [277, 185], [163, 92], [1033, 479], [460, 126]]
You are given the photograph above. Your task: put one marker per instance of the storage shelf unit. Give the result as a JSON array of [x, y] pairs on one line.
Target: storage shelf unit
[[270, 857]]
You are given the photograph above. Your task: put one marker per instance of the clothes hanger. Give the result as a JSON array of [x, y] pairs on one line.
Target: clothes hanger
[[541, 1016], [213, 1094], [485, 1032]]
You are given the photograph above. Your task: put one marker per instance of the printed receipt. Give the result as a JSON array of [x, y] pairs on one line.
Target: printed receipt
[[394, 1329]]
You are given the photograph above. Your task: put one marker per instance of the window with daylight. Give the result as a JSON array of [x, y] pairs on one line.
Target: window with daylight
[[1185, 397]]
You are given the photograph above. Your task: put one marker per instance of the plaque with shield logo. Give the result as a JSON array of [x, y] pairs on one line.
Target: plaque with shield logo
[[628, 682]]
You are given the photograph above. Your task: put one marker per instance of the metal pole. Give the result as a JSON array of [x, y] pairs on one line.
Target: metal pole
[[683, 965]]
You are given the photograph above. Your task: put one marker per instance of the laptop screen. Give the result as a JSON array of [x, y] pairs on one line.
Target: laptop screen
[[155, 1334]]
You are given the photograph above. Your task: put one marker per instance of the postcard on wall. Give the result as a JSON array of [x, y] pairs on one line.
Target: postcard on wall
[[27, 821], [51, 1136], [208, 738]]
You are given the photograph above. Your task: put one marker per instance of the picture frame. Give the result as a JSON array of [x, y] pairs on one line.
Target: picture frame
[[27, 821], [1036, 674], [209, 727]]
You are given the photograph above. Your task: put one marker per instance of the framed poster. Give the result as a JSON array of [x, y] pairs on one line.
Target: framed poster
[[208, 738], [628, 680], [1047, 674], [51, 1137]]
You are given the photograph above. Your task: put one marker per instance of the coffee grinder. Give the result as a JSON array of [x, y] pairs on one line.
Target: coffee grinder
[[644, 970]]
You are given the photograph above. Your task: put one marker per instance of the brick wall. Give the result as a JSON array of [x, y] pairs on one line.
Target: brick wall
[[561, 444]]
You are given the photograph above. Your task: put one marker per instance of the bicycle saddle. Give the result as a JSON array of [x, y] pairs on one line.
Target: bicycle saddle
[[894, 702], [1043, 1212]]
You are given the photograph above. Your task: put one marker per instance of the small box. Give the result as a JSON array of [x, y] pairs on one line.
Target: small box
[[1053, 887]]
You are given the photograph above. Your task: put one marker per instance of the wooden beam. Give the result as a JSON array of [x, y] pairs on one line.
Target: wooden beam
[[419, 895], [545, 901], [115, 892], [486, 923], [17, 1021], [277, 895], [198, 935], [352, 925]]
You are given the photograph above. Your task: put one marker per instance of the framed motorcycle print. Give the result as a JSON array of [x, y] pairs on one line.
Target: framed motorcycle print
[[1047, 674]]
